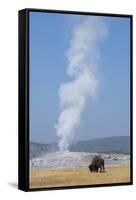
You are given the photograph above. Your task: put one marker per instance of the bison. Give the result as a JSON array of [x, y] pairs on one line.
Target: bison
[[97, 163]]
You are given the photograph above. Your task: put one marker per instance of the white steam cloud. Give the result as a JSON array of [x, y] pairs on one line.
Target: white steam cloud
[[82, 57]]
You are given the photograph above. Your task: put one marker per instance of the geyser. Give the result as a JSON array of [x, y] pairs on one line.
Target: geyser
[[82, 58]]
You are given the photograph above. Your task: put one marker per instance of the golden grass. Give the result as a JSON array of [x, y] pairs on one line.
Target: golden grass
[[42, 178]]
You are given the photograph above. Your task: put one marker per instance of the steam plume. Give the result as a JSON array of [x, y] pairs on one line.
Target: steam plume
[[82, 57]]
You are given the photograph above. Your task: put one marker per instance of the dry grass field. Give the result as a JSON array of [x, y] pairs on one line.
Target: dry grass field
[[42, 178]]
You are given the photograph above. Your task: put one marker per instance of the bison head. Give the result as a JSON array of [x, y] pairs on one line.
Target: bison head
[[91, 168]]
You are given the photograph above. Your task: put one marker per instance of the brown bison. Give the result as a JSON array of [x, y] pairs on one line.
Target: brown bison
[[96, 164]]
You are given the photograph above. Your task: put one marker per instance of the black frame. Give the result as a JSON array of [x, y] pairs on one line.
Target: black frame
[[23, 122]]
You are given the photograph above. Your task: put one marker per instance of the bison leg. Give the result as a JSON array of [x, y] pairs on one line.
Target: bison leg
[[103, 168], [96, 169], [100, 168]]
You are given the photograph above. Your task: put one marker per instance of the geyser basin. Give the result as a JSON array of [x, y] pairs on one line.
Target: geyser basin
[[74, 159]]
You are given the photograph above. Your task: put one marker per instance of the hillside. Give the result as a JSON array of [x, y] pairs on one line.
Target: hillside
[[119, 144]]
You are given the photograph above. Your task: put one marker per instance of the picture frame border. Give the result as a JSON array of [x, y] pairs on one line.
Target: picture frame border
[[23, 98]]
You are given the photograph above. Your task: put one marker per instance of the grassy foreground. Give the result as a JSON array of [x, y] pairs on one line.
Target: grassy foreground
[[41, 178]]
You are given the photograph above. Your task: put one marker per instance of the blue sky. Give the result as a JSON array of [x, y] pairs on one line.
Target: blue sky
[[109, 114]]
